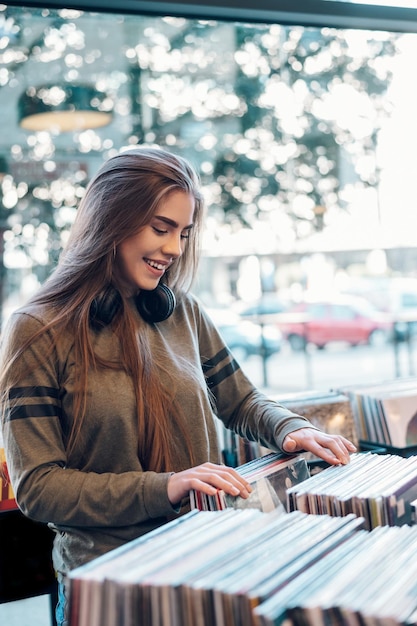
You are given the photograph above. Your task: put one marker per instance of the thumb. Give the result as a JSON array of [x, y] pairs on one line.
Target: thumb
[[289, 444]]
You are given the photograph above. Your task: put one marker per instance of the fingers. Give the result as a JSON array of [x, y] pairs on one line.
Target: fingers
[[349, 445], [208, 478], [334, 449], [215, 477]]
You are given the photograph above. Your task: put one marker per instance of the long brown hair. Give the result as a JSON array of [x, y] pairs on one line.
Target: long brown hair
[[120, 200]]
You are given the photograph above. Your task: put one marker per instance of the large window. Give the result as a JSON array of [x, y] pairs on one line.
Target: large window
[[304, 137]]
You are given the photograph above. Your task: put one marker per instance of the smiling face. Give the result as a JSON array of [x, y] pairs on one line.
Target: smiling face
[[144, 257]]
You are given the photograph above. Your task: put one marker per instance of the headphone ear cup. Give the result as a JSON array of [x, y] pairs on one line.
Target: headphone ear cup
[[104, 307], [156, 305]]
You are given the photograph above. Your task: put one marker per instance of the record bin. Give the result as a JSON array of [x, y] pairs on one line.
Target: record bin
[[379, 448]]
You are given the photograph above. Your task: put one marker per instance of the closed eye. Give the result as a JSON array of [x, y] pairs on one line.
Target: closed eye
[[159, 231]]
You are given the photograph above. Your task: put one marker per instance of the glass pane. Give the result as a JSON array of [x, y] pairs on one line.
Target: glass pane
[[304, 139]]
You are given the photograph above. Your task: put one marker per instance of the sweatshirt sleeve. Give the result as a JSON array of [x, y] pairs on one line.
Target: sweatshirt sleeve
[[47, 488], [238, 403]]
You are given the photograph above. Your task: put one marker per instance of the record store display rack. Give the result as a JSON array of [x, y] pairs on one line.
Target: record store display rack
[[385, 415], [248, 568], [338, 553], [313, 545], [335, 549]]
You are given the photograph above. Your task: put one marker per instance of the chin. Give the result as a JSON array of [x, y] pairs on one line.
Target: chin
[[148, 286]]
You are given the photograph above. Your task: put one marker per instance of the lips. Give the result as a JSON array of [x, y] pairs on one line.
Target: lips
[[155, 265]]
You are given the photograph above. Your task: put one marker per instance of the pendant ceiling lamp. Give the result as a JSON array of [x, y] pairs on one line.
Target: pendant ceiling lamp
[[63, 108]]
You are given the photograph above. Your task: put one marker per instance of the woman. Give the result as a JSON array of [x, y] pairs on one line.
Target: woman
[[113, 375]]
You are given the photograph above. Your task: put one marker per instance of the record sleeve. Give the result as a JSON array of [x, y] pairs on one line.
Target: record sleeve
[[269, 476]]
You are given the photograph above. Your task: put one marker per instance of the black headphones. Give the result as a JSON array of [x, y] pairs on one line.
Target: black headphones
[[154, 306]]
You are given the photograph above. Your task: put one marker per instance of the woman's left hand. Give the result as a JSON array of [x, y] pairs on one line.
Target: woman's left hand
[[333, 449]]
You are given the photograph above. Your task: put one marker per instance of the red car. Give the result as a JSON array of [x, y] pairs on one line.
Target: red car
[[353, 321]]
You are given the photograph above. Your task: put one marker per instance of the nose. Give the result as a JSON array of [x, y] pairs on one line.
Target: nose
[[173, 246]]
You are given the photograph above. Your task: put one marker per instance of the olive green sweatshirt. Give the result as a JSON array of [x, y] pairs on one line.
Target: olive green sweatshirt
[[100, 496]]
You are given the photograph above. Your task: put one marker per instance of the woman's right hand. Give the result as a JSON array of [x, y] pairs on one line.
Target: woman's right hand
[[207, 478]]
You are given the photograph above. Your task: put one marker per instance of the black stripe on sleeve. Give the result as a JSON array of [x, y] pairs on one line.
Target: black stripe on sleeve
[[33, 392], [215, 360], [24, 411], [225, 372]]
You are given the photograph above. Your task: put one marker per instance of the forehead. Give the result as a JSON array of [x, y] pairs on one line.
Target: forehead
[[178, 206]]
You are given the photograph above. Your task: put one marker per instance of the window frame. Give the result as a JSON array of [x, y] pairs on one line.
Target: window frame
[[319, 13]]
